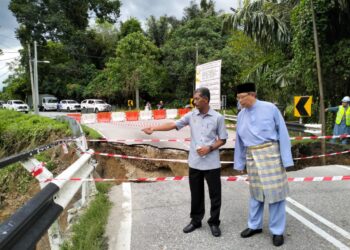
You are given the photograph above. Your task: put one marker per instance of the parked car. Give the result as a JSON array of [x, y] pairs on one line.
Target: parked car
[[69, 105], [95, 105], [48, 103], [17, 105], [2, 104]]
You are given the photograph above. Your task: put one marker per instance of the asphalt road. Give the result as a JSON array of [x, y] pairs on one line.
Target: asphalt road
[[152, 215], [132, 130]]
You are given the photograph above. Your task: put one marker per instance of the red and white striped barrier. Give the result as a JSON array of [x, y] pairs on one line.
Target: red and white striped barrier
[[222, 162], [319, 156], [298, 138], [224, 178], [142, 140]]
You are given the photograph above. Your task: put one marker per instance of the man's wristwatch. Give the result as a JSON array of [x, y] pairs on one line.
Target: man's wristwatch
[[211, 148]]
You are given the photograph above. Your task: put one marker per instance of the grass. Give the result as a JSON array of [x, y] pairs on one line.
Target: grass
[[19, 132], [88, 233], [91, 133]]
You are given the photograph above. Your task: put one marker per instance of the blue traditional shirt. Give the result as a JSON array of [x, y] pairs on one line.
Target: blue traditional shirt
[[260, 124], [205, 130]]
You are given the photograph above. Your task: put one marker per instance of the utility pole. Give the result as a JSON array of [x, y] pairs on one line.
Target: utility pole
[[194, 84], [36, 107], [320, 82], [34, 101]]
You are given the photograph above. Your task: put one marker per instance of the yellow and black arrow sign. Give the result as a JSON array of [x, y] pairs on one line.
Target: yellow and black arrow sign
[[302, 106], [130, 103], [191, 103]]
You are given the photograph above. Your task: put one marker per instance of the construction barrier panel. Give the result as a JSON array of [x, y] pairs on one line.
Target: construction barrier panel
[[146, 115], [132, 115], [88, 118], [118, 117], [171, 113], [75, 116], [159, 114], [183, 112], [104, 117]]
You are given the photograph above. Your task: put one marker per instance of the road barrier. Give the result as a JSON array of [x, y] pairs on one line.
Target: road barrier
[[224, 178], [297, 138], [132, 115], [75, 116], [145, 115], [104, 117], [222, 162], [88, 118], [118, 117], [159, 114], [183, 112], [171, 113]]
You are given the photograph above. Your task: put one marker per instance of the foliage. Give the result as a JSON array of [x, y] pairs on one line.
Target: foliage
[[333, 35], [136, 65], [19, 132], [91, 133], [130, 26], [14, 178], [74, 52], [158, 30], [88, 233], [180, 52]]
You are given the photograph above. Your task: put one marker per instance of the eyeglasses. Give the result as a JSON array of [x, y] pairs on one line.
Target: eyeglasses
[[241, 97]]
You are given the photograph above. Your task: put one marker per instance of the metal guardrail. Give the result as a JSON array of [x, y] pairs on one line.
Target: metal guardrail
[[315, 129], [27, 154], [29, 223]]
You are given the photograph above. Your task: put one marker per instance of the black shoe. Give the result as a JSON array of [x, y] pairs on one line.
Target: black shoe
[[215, 230], [190, 228], [250, 232], [277, 240]]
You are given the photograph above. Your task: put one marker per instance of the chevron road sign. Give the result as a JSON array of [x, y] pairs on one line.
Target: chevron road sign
[[302, 106]]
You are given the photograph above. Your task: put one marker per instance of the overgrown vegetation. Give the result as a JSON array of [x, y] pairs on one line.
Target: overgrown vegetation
[[19, 132], [88, 232], [91, 133]]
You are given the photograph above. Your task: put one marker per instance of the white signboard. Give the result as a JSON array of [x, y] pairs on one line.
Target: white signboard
[[208, 75]]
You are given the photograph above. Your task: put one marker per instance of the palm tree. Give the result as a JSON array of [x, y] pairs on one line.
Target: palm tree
[[266, 21]]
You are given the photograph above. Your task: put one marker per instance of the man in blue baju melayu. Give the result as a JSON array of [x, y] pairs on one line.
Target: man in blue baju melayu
[[342, 121], [263, 148]]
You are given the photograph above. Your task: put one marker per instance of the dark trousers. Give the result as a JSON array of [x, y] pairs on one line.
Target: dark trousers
[[196, 178]]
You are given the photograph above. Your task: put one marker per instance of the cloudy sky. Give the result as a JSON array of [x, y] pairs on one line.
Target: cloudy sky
[[140, 9]]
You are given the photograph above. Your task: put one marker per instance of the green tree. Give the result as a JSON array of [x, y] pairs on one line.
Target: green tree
[[130, 26], [332, 18], [135, 68], [79, 51], [158, 30], [180, 52]]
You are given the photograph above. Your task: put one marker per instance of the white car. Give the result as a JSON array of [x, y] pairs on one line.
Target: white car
[[17, 105], [69, 105], [95, 105], [2, 104]]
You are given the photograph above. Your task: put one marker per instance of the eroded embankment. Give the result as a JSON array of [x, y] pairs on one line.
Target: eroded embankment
[[110, 167]]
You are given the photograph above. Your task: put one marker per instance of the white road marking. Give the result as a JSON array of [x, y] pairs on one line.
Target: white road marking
[[320, 218], [124, 234], [317, 230]]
